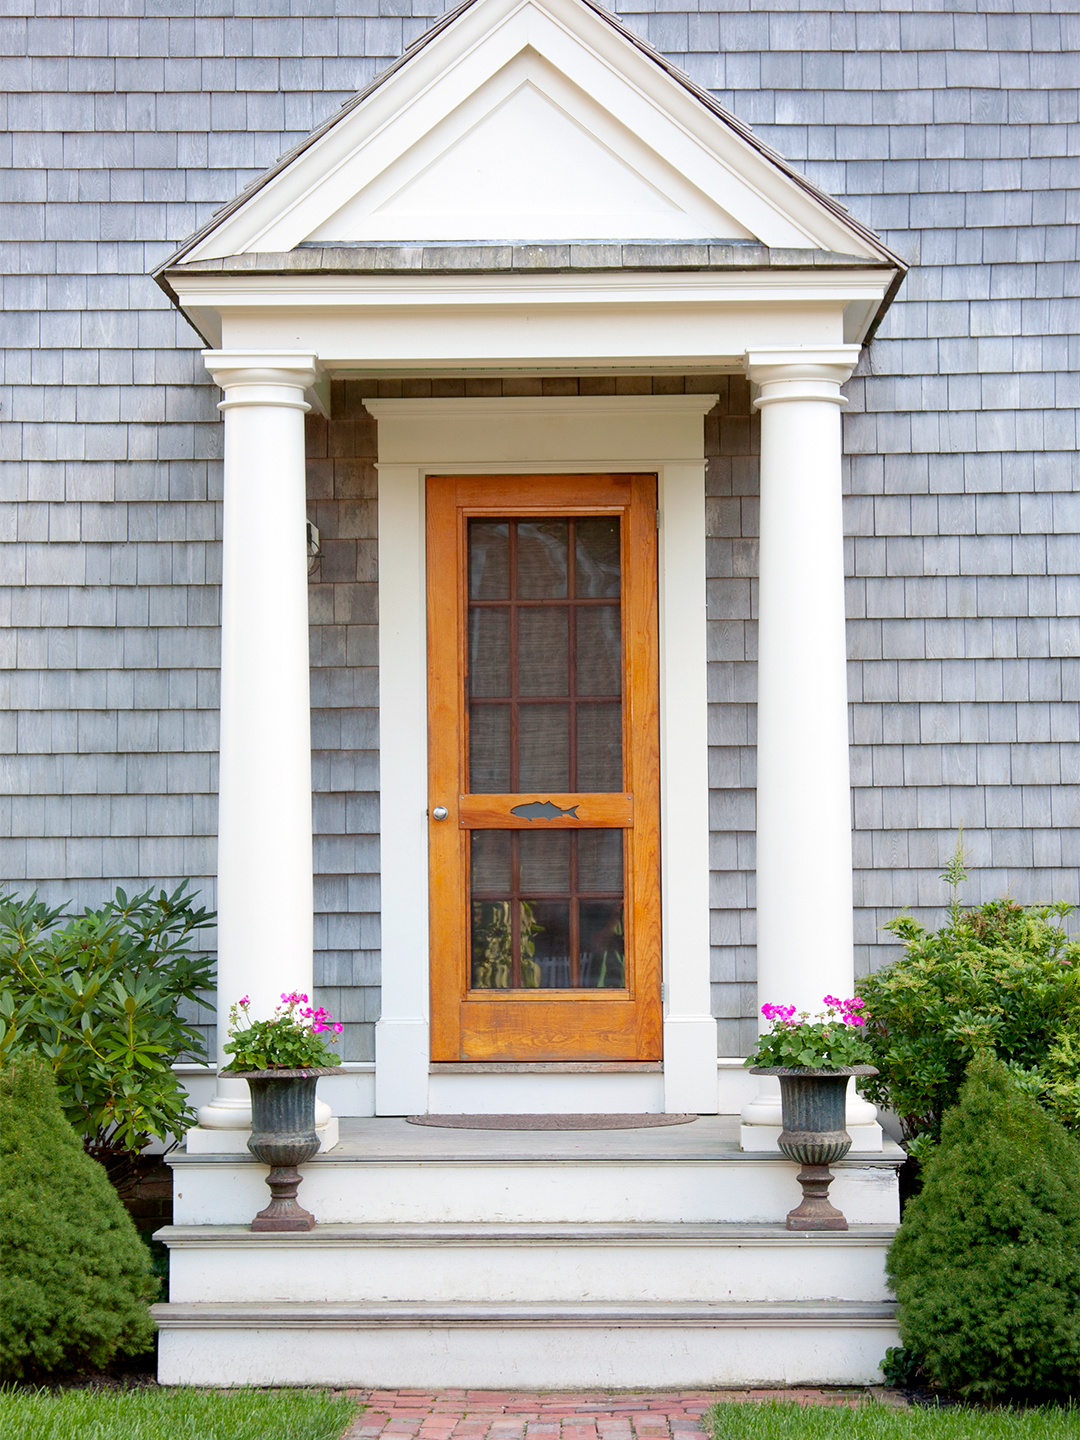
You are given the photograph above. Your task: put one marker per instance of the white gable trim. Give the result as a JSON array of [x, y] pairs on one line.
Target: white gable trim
[[592, 65]]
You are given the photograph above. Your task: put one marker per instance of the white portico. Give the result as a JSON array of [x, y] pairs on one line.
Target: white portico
[[735, 264], [639, 231]]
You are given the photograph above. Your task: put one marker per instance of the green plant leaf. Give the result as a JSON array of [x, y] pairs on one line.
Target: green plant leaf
[[99, 996]]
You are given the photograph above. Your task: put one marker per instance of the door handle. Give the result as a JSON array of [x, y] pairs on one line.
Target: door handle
[[440, 812]]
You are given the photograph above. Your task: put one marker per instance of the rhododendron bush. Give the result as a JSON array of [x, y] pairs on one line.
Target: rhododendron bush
[[1000, 978], [106, 999]]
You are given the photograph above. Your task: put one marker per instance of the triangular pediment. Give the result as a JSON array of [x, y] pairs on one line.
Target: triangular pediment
[[529, 166], [530, 121]]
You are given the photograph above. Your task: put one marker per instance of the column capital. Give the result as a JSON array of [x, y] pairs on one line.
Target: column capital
[[801, 372], [263, 377]]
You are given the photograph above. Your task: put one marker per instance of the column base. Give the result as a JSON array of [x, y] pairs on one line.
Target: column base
[[230, 1108], [202, 1141]]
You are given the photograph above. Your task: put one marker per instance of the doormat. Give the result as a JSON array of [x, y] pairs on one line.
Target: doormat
[[548, 1122]]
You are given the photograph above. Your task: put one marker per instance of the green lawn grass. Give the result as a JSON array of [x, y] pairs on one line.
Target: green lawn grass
[[783, 1420], [153, 1414]]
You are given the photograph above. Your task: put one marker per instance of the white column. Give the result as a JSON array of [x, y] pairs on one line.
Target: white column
[[805, 940], [689, 1029], [265, 892]]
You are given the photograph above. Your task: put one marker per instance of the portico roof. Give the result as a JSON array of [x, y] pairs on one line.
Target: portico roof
[[527, 136], [515, 258]]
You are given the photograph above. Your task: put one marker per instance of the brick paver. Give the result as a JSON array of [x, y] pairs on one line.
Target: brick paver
[[556, 1415]]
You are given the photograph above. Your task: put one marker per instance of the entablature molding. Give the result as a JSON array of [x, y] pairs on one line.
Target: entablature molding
[[539, 321]]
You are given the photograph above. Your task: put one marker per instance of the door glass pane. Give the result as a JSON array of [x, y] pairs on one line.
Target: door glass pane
[[492, 945], [543, 657], [489, 749], [545, 944], [543, 748], [598, 650], [489, 650], [490, 862], [541, 559], [597, 556], [545, 861], [546, 910], [599, 858], [599, 747], [603, 950], [540, 631], [489, 560]]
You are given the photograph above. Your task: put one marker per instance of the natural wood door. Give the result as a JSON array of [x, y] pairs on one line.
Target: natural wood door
[[543, 754]]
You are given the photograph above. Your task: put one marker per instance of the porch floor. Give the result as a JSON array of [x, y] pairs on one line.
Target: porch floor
[[380, 1140]]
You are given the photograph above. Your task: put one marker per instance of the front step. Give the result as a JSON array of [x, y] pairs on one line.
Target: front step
[[385, 1171], [538, 1260], [526, 1264], [522, 1346]]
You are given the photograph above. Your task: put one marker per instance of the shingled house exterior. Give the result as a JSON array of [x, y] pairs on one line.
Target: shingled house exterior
[[568, 770]]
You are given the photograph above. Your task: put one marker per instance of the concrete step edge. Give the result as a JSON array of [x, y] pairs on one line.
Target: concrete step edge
[[413, 1234], [278, 1315], [887, 1159]]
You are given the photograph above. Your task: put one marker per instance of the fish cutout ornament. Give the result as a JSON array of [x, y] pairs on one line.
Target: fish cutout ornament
[[542, 810]]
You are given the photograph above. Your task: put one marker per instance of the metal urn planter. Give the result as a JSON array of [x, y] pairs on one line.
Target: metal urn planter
[[813, 1104], [283, 1137]]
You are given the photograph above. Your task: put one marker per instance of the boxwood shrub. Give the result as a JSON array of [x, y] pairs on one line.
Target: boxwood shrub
[[76, 1276], [986, 1265]]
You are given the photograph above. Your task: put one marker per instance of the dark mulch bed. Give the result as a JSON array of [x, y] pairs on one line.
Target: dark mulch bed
[[136, 1372]]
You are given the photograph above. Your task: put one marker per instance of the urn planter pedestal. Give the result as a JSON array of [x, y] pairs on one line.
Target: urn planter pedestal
[[813, 1107], [283, 1136]]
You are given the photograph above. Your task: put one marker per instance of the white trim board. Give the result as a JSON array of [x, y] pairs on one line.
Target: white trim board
[[645, 434], [618, 320]]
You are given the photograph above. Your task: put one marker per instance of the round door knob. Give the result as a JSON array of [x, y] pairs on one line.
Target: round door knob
[[440, 812]]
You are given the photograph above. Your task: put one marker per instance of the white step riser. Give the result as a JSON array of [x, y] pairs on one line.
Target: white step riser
[[495, 1357], [223, 1192], [527, 1273]]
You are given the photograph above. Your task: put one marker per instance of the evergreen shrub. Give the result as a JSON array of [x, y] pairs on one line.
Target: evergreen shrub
[[986, 1265], [76, 1276]]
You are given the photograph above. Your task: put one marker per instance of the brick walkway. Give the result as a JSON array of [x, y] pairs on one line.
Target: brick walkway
[[547, 1415]]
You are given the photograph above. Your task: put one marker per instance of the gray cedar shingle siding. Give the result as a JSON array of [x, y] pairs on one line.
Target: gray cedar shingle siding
[[343, 600], [955, 133]]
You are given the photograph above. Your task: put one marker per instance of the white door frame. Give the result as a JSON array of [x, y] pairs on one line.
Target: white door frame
[[661, 434]]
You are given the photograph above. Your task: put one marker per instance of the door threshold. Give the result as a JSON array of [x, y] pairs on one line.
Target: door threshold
[[552, 1067]]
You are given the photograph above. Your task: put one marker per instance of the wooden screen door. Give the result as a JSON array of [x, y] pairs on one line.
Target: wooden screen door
[[544, 767]]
